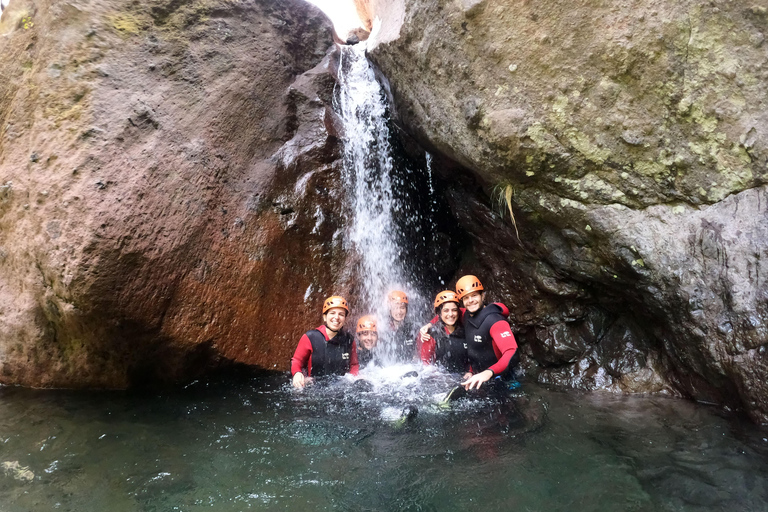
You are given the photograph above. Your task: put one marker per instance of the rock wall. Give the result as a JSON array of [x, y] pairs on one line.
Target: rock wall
[[629, 141], [169, 198]]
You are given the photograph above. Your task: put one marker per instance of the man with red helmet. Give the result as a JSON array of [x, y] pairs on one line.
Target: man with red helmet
[[328, 349], [490, 342]]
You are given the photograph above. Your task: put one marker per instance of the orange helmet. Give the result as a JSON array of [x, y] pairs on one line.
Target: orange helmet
[[335, 301], [397, 296], [445, 296], [367, 323], [467, 285]]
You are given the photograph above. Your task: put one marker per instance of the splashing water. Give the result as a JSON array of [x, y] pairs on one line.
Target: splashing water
[[251, 444]]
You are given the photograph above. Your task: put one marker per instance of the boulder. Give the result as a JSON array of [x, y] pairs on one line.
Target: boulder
[[628, 141], [168, 198]]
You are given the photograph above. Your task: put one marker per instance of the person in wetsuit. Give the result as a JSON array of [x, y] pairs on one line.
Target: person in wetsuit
[[446, 346], [328, 349], [490, 342], [402, 333], [367, 339]]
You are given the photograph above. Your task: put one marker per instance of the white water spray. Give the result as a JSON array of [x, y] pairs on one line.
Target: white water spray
[[374, 195], [368, 174]]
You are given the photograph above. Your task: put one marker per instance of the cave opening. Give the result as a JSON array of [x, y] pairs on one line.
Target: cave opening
[[345, 17]]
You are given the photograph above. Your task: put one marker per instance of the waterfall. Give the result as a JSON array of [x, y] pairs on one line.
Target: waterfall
[[432, 209], [369, 178], [367, 174]]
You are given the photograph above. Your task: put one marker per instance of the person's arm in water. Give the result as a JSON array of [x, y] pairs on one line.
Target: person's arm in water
[[300, 360], [505, 346], [354, 365]]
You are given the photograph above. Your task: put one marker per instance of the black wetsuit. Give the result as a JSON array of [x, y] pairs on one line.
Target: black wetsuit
[[403, 341], [366, 357], [450, 349], [490, 343], [321, 356]]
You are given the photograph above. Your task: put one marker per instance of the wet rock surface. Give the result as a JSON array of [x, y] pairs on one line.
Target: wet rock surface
[[629, 139], [169, 196]]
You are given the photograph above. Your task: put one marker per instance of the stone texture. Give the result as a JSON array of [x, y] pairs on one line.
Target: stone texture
[[168, 199], [630, 139]]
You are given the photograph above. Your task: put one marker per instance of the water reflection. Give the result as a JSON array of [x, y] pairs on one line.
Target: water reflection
[[254, 444]]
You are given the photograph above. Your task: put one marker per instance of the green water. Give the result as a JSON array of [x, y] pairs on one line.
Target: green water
[[252, 444]]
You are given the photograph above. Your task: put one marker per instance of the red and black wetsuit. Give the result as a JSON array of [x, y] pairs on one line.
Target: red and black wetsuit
[[447, 349], [492, 351], [490, 342], [323, 356]]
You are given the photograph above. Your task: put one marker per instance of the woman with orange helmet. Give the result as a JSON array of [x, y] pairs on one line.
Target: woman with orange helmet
[[447, 346], [328, 349], [367, 339], [490, 342], [402, 334]]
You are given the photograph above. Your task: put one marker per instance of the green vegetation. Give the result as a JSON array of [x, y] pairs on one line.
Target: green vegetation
[[502, 196]]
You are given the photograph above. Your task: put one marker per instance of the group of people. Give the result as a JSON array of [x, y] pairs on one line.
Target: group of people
[[475, 340]]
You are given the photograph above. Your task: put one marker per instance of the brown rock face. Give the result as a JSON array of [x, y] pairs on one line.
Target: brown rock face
[[168, 198], [630, 142]]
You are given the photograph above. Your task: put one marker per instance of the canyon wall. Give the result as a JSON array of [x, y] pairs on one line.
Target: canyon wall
[[169, 198], [628, 140]]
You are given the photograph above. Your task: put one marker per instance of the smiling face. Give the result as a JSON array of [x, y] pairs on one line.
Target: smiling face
[[397, 311], [449, 314], [334, 318], [368, 339], [473, 301]]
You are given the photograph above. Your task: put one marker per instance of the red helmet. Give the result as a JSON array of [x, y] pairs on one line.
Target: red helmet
[[397, 296], [367, 323], [467, 285], [445, 296], [335, 301]]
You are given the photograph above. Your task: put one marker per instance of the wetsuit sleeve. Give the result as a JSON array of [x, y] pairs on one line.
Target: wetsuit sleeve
[[354, 365], [301, 356], [504, 309], [426, 350], [434, 320], [504, 345]]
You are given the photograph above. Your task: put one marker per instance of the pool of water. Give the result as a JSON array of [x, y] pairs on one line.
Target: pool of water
[[251, 443]]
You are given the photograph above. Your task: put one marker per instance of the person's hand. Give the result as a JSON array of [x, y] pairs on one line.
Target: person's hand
[[477, 380], [298, 380], [425, 333], [466, 376]]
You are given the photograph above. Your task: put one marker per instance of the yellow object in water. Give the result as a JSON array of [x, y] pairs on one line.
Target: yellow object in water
[[18, 471]]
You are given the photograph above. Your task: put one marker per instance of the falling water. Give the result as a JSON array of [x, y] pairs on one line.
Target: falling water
[[374, 197], [432, 206], [368, 172]]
